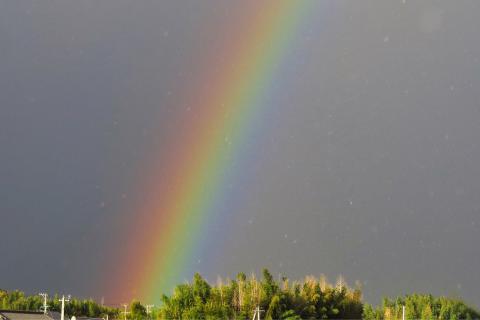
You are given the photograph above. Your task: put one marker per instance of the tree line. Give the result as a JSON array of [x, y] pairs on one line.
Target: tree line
[[311, 298], [19, 301], [421, 306]]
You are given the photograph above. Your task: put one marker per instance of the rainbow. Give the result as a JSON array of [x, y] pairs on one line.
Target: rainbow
[[187, 186]]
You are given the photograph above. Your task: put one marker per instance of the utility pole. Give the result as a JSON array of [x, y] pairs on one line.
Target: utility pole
[[149, 309], [125, 306], [256, 314], [403, 312], [63, 300], [45, 297]]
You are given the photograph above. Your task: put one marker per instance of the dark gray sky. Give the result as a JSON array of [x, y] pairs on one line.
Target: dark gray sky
[[370, 169]]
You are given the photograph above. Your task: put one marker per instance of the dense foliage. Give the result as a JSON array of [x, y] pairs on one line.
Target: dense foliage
[[421, 307], [310, 298], [17, 300], [237, 299]]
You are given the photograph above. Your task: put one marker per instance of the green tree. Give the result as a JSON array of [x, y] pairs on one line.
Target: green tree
[[137, 311]]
